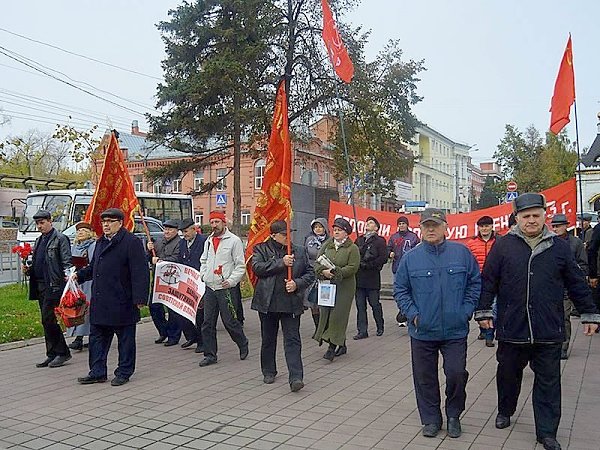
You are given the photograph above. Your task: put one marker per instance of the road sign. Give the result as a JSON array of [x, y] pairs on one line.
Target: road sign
[[511, 186], [510, 196], [221, 199], [415, 204]]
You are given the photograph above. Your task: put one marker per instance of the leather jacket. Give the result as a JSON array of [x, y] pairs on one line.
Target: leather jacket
[[58, 262]]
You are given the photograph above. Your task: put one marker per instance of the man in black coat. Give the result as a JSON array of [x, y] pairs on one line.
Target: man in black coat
[[373, 256], [120, 275], [47, 274], [190, 251], [528, 271], [280, 300]]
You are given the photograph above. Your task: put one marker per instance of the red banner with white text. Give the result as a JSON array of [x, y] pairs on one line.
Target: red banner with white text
[[559, 199]]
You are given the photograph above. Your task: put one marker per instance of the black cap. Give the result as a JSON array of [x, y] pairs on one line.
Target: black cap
[[171, 223], [342, 223], [529, 200], [374, 220], [113, 213], [559, 219], [485, 220], [185, 223], [279, 226], [42, 214], [433, 215], [402, 219], [585, 216]]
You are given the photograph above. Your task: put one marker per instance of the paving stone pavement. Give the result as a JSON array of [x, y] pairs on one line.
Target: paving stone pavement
[[363, 400]]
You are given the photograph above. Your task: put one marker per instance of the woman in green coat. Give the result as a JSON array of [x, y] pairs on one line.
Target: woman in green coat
[[344, 254]]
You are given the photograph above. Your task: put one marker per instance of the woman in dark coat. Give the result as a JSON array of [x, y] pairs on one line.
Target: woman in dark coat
[[344, 254]]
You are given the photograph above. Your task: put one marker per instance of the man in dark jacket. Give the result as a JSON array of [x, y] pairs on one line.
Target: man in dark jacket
[[279, 299], [437, 286], [559, 226], [166, 248], [190, 251], [528, 271], [373, 256], [51, 262], [401, 242], [120, 275]]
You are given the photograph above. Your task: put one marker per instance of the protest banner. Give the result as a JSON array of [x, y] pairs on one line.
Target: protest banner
[[178, 287]]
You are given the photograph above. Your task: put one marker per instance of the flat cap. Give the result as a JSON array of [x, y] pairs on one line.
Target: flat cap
[[585, 216], [171, 223], [185, 223], [433, 215], [42, 214], [529, 200], [343, 224], [560, 219], [113, 213], [279, 226]]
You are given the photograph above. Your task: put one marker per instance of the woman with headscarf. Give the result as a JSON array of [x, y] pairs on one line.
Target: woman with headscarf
[[313, 243], [83, 247], [345, 256]]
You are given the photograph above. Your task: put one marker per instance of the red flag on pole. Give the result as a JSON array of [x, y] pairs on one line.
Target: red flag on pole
[[342, 64], [564, 92], [115, 189], [273, 202]]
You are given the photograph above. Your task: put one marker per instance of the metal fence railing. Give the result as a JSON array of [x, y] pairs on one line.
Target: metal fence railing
[[10, 264]]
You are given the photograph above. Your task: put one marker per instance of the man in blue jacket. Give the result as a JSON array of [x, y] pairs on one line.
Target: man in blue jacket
[[120, 275], [527, 271], [437, 287]]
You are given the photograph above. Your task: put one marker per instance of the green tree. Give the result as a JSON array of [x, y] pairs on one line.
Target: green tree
[[492, 193]]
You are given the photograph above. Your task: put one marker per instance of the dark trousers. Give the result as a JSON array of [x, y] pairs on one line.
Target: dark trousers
[[236, 296], [171, 327], [193, 331], [55, 340], [361, 297], [568, 308], [544, 360], [425, 355], [292, 345], [101, 337], [216, 302]]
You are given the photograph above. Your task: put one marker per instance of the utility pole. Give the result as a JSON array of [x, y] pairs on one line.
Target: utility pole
[[457, 188]]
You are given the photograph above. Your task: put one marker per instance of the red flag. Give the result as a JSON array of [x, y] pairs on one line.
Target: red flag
[[115, 189], [273, 202], [342, 64], [564, 92]]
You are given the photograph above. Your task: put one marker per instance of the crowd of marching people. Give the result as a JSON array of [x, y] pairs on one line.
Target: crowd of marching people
[[521, 288]]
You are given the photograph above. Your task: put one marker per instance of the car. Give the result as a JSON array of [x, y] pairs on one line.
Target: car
[[8, 224], [155, 228]]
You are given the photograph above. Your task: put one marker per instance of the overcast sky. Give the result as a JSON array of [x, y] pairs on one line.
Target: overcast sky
[[489, 63]]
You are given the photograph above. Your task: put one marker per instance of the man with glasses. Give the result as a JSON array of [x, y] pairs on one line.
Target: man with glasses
[[120, 275], [559, 226]]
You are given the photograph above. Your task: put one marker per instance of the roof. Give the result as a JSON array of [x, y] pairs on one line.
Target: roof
[[591, 157], [138, 147]]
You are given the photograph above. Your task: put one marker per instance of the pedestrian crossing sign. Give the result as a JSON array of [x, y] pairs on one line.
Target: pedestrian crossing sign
[[510, 196], [221, 199]]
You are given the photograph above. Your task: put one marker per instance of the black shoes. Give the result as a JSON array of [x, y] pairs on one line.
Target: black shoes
[[341, 350], [77, 344], [549, 443], [187, 344], [199, 349], [207, 362], [269, 379], [170, 343], [45, 362], [90, 380], [119, 381], [489, 343], [160, 340], [564, 354], [380, 332], [502, 421], [431, 430], [296, 385], [59, 361], [453, 427], [244, 352], [361, 336], [329, 354]]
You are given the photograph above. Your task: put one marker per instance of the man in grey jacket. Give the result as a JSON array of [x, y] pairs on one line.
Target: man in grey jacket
[[222, 267]]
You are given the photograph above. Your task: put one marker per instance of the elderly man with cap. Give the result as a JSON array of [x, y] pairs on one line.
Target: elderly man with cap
[[190, 251], [559, 226], [222, 266], [527, 271], [373, 256], [47, 275], [279, 300], [437, 287], [120, 281], [166, 248], [480, 245]]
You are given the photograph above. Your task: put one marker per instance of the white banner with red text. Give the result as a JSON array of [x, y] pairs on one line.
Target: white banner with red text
[[179, 288], [560, 199]]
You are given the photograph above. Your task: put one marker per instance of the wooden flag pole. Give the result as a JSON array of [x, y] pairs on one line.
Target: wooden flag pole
[[146, 230]]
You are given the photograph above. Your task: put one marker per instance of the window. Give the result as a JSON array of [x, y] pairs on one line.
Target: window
[[245, 217], [326, 180], [177, 185], [156, 188], [137, 183], [198, 179], [221, 180], [259, 173], [199, 218]]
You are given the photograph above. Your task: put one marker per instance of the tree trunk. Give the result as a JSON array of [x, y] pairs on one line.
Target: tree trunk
[[237, 159]]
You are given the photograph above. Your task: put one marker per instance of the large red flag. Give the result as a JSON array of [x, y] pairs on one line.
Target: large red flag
[[564, 92], [273, 202], [115, 189], [342, 64]]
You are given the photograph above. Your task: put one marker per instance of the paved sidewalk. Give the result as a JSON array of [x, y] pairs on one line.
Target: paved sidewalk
[[362, 400]]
